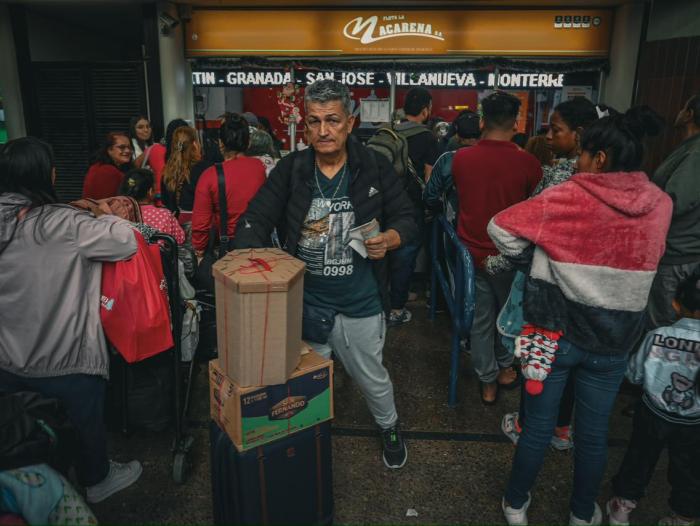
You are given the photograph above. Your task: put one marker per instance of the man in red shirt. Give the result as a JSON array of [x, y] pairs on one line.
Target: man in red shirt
[[491, 176]]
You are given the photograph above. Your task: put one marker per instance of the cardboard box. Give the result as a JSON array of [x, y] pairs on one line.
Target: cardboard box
[[253, 416], [259, 294]]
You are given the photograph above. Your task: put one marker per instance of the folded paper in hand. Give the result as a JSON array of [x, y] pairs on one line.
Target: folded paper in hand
[[359, 234]]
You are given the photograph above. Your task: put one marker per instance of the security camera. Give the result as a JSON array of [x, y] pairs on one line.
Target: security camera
[[167, 23]]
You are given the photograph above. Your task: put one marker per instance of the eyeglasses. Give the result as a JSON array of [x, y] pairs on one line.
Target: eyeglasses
[[122, 147]]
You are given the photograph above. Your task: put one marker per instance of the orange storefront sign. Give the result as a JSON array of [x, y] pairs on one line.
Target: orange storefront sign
[[555, 32]]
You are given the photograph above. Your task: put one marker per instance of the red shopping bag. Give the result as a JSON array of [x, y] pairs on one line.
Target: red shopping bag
[[135, 311]]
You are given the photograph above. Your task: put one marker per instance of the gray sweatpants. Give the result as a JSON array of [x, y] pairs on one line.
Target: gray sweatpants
[[358, 343], [488, 353], [663, 291]]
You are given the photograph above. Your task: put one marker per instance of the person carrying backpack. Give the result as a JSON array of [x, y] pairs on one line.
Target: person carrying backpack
[[413, 150]]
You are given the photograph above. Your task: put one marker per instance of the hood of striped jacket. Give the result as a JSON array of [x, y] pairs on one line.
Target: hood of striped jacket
[[629, 193]]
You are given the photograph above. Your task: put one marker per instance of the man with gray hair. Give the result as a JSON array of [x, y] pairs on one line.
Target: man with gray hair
[[314, 197]]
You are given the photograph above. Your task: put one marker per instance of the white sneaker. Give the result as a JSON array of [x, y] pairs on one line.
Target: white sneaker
[[562, 438], [399, 317], [595, 520], [120, 476], [619, 510], [516, 517], [509, 426]]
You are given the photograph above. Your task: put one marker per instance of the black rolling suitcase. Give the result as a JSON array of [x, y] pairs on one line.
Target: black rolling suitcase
[[289, 481]]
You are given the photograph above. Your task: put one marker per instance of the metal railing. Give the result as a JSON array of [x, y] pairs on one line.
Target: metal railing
[[453, 271]]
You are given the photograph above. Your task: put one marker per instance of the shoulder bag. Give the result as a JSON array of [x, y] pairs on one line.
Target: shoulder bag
[[203, 277]]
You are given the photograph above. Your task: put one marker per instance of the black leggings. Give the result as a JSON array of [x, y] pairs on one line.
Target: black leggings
[[650, 435]]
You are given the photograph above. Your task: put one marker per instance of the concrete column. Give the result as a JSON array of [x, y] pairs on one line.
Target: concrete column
[[618, 88], [9, 79], [216, 103], [175, 73]]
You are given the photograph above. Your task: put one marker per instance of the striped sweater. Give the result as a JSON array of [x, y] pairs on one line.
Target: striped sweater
[[593, 245]]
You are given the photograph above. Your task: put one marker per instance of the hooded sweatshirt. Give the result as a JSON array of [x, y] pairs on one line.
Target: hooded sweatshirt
[[50, 277], [679, 177], [593, 245]]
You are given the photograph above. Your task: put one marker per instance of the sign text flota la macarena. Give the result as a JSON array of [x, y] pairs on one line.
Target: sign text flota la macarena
[[474, 80], [369, 30]]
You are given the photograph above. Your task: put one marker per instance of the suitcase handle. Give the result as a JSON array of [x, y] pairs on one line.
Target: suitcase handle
[[263, 485]]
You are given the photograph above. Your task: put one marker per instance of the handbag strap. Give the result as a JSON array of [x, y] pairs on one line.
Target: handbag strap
[[146, 155], [223, 211]]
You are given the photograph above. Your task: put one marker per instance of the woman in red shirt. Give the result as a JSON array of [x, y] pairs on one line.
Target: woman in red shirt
[[243, 175], [105, 175]]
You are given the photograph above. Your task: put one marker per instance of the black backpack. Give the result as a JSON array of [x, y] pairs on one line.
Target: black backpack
[[35, 430], [392, 143]]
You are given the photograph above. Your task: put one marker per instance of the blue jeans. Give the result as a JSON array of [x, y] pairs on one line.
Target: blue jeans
[[597, 380]]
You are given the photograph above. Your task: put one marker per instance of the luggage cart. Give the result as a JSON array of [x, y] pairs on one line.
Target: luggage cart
[[182, 442]]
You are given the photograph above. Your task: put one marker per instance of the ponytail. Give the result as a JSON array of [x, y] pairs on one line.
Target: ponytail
[[137, 183], [620, 136]]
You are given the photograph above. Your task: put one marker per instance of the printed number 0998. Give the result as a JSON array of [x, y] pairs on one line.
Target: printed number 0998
[[344, 270]]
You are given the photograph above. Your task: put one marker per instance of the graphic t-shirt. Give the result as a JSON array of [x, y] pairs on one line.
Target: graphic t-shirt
[[336, 276]]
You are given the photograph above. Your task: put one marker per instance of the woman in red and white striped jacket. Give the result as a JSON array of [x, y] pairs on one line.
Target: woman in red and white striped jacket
[[591, 247]]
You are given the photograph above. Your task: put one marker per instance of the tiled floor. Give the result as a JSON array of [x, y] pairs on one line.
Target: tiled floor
[[458, 459]]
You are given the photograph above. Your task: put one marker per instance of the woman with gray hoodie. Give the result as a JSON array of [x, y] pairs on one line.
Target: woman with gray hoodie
[[51, 338]]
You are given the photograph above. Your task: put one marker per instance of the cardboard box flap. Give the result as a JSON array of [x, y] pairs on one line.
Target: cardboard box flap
[[309, 360], [258, 270]]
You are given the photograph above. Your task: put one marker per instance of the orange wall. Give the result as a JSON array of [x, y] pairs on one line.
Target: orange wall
[[320, 33]]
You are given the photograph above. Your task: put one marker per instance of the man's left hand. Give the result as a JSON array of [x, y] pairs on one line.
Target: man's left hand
[[378, 245]]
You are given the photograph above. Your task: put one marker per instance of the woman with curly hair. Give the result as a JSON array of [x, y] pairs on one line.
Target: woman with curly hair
[[176, 186], [180, 176]]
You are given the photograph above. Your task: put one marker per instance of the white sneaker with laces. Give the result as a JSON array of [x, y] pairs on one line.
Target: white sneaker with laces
[[595, 520], [619, 510], [399, 317], [509, 427], [562, 439], [120, 476], [516, 517]]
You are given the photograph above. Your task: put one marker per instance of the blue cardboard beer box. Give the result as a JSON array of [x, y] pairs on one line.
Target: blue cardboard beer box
[[252, 416]]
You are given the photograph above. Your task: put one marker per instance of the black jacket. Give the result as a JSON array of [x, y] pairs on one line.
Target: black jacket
[[285, 199]]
